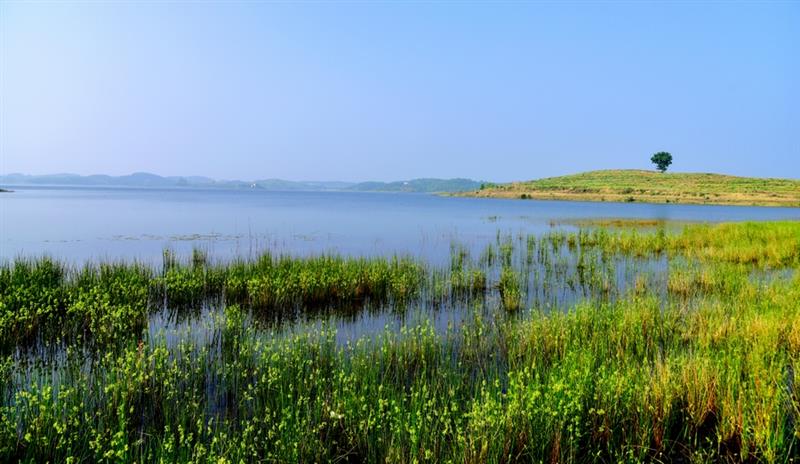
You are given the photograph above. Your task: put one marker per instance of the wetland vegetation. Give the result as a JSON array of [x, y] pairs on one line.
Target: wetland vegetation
[[600, 345], [628, 185]]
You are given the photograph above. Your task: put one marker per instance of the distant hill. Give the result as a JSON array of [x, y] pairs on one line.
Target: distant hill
[[139, 179], [419, 185], [652, 187], [148, 180], [145, 179], [280, 184]]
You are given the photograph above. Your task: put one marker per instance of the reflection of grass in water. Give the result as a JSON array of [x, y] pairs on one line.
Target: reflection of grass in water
[[702, 372]]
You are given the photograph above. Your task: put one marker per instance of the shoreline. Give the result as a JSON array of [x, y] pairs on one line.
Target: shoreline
[[640, 186], [621, 198]]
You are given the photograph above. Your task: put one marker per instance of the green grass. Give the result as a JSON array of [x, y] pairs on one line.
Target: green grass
[[43, 299], [653, 187], [696, 362]]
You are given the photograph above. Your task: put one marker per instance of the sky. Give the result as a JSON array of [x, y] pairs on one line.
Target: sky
[[398, 90]]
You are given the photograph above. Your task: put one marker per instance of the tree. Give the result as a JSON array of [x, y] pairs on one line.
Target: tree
[[662, 160]]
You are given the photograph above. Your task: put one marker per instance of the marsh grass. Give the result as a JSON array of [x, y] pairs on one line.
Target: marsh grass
[[658, 347]]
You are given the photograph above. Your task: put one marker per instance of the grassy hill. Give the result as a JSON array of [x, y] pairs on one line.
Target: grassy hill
[[652, 187]]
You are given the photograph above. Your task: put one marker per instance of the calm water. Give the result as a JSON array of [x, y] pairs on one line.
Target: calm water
[[92, 223]]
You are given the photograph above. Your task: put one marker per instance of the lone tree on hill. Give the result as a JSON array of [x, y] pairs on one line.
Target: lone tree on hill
[[662, 160]]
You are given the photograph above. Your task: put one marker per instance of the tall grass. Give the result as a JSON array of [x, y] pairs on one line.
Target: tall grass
[[695, 365], [629, 381]]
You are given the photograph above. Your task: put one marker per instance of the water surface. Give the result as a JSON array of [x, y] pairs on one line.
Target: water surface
[[79, 224]]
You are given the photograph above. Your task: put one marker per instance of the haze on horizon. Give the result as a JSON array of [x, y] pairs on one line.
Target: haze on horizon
[[357, 91]]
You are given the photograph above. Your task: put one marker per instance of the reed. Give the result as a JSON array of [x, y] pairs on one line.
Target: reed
[[672, 349]]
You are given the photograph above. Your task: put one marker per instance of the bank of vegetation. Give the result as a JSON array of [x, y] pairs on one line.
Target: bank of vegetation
[[651, 187], [672, 346]]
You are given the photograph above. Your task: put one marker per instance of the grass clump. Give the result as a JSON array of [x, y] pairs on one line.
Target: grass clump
[[328, 280], [44, 301], [509, 287]]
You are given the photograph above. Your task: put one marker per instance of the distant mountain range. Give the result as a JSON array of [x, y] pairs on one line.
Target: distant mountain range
[[148, 180], [419, 185]]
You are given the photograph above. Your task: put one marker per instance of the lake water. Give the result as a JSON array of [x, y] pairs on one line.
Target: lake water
[[79, 224]]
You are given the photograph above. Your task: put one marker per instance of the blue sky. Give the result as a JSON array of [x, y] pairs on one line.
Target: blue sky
[[386, 91]]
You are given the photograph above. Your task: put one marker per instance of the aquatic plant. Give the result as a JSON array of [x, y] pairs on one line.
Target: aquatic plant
[[661, 346]]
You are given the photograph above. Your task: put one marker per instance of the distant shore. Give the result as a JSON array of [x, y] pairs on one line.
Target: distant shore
[[635, 186], [148, 180]]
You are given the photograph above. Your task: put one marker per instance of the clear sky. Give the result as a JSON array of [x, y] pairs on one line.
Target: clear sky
[[386, 91]]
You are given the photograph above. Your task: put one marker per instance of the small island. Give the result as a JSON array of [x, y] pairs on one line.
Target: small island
[[630, 185]]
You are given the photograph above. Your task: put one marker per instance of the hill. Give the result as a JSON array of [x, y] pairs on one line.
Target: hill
[[419, 185], [148, 180], [652, 187]]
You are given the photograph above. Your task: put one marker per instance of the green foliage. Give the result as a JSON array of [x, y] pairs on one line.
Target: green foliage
[[509, 287], [662, 160], [628, 381], [699, 366]]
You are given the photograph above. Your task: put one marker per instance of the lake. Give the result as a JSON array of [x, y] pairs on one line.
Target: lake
[[79, 224], [501, 300]]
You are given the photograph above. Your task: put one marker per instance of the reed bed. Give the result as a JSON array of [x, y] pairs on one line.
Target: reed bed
[[46, 300], [690, 359]]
